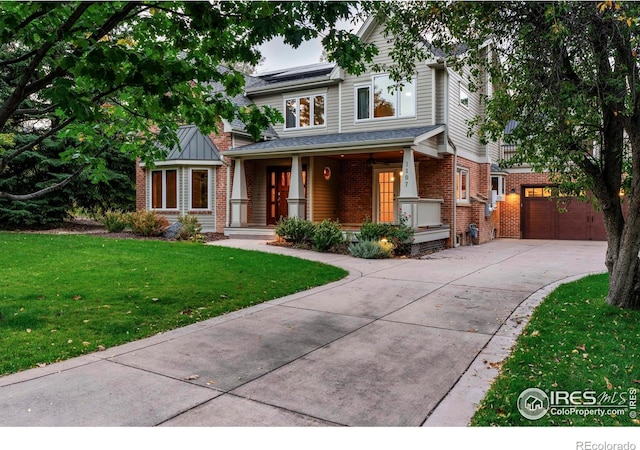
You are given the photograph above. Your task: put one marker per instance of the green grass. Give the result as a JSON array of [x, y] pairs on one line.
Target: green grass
[[67, 295], [573, 342]]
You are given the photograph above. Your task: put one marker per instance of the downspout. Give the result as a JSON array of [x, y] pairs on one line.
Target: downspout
[[449, 143]]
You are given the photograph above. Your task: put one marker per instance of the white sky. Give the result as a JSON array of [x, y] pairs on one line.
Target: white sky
[[278, 55]]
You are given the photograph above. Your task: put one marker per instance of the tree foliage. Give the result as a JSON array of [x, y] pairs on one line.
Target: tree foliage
[[568, 74], [106, 77]]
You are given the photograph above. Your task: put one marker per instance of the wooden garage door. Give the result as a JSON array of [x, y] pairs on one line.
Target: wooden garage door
[[543, 217]]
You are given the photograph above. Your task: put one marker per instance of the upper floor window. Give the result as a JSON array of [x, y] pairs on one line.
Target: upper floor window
[[464, 95], [302, 112], [164, 189], [385, 98]]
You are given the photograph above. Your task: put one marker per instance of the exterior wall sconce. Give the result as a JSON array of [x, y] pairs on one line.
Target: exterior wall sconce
[[513, 191]]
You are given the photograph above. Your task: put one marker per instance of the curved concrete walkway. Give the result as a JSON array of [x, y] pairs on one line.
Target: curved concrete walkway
[[398, 342]]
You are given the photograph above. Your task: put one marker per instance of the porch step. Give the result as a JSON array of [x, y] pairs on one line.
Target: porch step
[[266, 234]]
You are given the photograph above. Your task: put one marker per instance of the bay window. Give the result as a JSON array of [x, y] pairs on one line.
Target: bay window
[[199, 189], [164, 189]]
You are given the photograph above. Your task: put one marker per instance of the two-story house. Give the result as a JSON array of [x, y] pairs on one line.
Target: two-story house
[[349, 148]]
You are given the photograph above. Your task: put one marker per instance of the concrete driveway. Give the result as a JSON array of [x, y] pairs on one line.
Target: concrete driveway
[[398, 342]]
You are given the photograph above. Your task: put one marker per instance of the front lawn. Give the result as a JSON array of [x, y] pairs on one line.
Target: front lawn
[[574, 343], [66, 295]]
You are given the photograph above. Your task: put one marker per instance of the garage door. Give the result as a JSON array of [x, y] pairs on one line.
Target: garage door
[[544, 217]]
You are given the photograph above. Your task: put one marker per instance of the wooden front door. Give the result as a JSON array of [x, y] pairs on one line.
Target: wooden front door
[[278, 181]]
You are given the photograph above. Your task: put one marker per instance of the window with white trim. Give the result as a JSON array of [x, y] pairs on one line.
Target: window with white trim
[[498, 185], [464, 95], [305, 111], [200, 187], [383, 98], [462, 185], [164, 189]]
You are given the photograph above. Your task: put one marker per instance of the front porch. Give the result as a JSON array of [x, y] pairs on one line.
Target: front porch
[[389, 180], [424, 239]]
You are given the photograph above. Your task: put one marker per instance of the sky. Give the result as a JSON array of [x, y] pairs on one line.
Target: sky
[[279, 55]]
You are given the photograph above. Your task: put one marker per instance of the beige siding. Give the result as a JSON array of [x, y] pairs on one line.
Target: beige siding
[[331, 110], [258, 193], [241, 141], [325, 193], [423, 93], [440, 96], [459, 115]]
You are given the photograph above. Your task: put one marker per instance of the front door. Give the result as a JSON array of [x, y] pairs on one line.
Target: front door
[[387, 189], [278, 181]]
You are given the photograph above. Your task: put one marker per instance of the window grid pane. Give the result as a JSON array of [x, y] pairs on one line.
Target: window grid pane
[[200, 189], [172, 189], [156, 189], [384, 102]]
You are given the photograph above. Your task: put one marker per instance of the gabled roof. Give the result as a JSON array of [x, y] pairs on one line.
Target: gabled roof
[[334, 141], [194, 146]]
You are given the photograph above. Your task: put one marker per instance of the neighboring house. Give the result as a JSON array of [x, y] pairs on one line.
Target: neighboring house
[[348, 150]]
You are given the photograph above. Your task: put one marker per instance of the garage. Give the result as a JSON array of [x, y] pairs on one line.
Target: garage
[[545, 216]]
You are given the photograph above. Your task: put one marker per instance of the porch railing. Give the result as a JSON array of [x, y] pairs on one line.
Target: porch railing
[[429, 212]]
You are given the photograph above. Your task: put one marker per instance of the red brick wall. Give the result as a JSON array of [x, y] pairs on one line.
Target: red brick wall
[[356, 199], [510, 209], [141, 187], [223, 142], [221, 197]]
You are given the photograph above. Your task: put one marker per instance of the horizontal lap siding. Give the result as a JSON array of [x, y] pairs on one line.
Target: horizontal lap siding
[[332, 107], [423, 88], [325, 192]]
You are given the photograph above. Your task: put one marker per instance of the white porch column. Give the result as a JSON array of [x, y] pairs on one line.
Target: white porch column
[[408, 198], [239, 200], [296, 200]]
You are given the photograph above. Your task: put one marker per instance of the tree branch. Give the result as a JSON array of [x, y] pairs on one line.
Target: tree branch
[[46, 190], [19, 93], [7, 158]]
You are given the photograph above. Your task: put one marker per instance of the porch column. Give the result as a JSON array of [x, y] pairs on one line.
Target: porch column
[[296, 200], [239, 200], [408, 198]]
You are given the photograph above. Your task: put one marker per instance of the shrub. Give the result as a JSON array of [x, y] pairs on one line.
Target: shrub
[[397, 235], [327, 234], [295, 230], [371, 249], [114, 221], [191, 229], [147, 223]]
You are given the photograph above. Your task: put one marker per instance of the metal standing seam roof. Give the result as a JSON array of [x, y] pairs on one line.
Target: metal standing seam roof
[[319, 140], [193, 146]]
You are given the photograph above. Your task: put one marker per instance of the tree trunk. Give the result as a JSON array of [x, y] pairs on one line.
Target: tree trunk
[[623, 262]]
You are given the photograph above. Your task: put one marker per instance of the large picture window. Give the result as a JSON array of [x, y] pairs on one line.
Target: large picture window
[[199, 189], [164, 189], [384, 98], [302, 112]]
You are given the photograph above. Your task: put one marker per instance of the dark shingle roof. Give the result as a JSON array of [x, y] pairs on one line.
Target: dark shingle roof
[[193, 146], [339, 138], [294, 73]]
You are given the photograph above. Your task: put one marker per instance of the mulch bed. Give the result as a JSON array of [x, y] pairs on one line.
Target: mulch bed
[[94, 227]]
